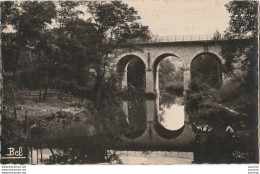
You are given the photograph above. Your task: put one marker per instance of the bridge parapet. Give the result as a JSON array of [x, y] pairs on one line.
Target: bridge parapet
[[176, 38]]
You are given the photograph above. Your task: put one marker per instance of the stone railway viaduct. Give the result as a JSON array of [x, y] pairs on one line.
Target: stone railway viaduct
[[151, 54]]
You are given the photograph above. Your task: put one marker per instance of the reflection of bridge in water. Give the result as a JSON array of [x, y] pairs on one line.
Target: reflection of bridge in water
[[151, 54]]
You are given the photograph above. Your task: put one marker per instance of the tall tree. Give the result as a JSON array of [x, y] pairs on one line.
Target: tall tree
[[66, 10], [115, 23], [80, 45], [243, 25], [6, 8], [244, 55], [28, 19]]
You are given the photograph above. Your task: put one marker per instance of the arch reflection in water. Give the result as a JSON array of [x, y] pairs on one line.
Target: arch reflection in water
[[136, 119], [170, 88], [172, 117]]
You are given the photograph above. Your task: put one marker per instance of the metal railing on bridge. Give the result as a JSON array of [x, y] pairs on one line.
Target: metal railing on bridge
[[176, 38]]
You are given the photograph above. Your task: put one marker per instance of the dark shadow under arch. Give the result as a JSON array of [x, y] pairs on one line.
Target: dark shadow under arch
[[122, 63], [206, 69]]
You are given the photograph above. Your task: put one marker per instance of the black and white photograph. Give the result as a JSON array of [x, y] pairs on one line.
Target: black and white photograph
[[131, 82]]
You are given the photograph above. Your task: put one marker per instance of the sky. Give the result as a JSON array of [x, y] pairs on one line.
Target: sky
[[182, 17]]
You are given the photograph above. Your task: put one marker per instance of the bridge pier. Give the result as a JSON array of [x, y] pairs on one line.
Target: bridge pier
[[149, 87], [150, 110], [186, 79], [157, 89]]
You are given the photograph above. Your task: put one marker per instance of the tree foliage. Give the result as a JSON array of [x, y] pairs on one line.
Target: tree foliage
[[115, 23], [217, 35], [243, 20], [244, 54], [67, 49]]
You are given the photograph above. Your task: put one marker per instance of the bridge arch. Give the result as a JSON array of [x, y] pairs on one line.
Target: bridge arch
[[124, 58], [212, 52], [160, 56], [123, 62], [157, 60], [208, 62]]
